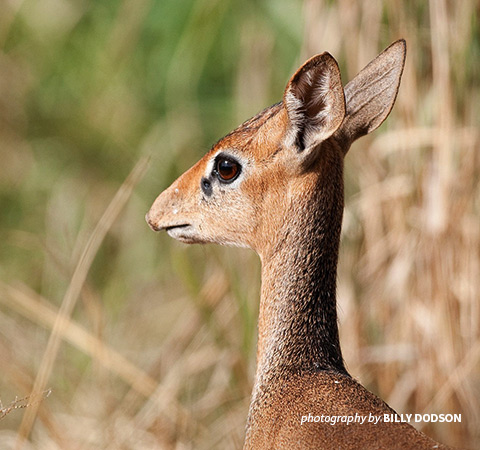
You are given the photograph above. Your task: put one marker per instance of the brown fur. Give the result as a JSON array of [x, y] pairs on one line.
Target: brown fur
[[277, 424], [287, 205]]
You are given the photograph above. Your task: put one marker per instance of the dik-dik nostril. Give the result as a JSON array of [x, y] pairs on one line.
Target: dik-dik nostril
[[150, 222]]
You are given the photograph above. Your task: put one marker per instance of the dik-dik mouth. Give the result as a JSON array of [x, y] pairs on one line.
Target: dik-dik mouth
[[172, 227], [184, 232], [176, 228], [155, 226]]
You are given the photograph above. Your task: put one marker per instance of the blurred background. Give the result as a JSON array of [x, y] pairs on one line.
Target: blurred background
[[147, 343]]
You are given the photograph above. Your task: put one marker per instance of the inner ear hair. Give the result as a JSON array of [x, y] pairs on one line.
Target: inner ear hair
[[314, 101]]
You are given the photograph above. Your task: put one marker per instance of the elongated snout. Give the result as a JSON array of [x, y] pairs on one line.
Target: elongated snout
[[151, 223], [168, 209], [177, 209]]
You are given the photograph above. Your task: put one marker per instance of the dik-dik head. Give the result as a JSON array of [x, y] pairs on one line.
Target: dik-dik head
[[240, 193]]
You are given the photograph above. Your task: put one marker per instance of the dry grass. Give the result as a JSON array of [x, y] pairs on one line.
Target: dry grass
[[146, 343]]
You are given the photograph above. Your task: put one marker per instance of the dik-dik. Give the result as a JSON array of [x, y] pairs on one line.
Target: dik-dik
[[275, 185]]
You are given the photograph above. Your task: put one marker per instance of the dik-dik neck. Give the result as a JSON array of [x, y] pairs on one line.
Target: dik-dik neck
[[298, 329]]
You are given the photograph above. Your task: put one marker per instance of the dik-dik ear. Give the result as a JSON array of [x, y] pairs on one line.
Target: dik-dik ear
[[314, 102], [370, 96]]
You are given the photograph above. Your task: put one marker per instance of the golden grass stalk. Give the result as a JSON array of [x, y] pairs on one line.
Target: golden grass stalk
[[39, 310], [71, 296], [20, 403]]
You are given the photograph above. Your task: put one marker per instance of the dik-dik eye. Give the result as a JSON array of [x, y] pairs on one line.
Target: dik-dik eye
[[227, 169]]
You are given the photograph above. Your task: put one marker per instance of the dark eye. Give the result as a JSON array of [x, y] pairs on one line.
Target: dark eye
[[227, 169]]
